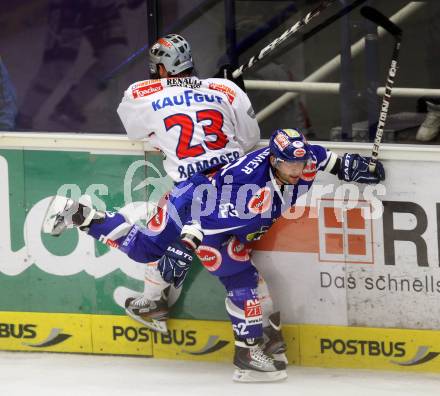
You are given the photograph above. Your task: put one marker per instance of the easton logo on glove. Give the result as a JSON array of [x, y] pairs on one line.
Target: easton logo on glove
[[179, 253], [354, 168]]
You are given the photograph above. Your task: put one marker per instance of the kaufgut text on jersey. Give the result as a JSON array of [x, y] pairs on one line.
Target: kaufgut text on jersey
[[187, 98]]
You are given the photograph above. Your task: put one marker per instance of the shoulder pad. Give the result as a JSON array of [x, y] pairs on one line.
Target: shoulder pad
[[226, 87]]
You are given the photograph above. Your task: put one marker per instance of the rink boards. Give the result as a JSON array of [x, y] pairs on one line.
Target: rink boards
[[308, 345], [345, 279]]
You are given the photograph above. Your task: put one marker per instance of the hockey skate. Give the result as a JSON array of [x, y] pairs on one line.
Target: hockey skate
[[152, 314], [274, 344], [254, 365], [64, 213]]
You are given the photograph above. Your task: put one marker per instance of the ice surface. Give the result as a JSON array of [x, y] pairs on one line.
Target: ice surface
[[65, 374]]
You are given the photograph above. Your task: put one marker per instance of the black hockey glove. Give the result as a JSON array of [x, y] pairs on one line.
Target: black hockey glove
[[175, 263], [354, 167], [226, 71]]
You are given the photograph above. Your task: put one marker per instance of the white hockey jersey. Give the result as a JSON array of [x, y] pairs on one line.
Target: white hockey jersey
[[195, 123]]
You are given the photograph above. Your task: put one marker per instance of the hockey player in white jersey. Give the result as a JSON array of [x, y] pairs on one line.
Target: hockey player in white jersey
[[195, 123]]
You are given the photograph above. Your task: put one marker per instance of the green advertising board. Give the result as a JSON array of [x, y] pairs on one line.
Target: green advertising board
[[74, 273]]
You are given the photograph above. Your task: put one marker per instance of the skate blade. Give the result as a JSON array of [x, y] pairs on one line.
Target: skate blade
[[281, 357], [241, 375], [57, 204], [155, 325]]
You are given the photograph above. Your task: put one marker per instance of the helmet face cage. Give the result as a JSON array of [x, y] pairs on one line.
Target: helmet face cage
[[289, 145], [174, 52]]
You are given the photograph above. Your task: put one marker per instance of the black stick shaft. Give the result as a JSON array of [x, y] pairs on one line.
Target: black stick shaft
[[288, 33], [392, 71]]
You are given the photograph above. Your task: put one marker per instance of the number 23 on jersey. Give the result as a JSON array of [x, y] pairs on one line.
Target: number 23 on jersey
[[211, 122]]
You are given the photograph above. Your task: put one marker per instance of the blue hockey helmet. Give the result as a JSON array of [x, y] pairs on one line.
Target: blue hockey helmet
[[289, 145]]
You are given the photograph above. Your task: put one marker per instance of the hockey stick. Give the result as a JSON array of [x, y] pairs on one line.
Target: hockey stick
[[288, 33], [379, 19], [316, 29], [269, 48]]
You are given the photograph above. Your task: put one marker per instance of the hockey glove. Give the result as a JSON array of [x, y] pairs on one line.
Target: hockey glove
[[226, 71], [354, 167], [175, 263]]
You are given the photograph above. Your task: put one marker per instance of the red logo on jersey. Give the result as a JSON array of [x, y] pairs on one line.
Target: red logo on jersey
[[252, 308], [158, 222], [230, 93], [146, 88], [237, 250], [145, 83], [210, 257], [309, 171], [261, 201]]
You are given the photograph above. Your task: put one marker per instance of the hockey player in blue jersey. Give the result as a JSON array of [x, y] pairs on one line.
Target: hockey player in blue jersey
[[216, 214]]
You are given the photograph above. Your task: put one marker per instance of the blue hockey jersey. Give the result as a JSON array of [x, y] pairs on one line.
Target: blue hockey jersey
[[244, 199]]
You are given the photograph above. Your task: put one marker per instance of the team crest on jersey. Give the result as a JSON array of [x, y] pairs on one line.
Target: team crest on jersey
[[261, 201], [309, 171], [210, 257], [237, 250], [145, 88], [230, 93]]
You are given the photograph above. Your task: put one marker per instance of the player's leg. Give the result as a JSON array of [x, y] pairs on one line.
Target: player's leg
[[142, 245], [110, 228], [231, 263], [234, 255], [150, 307], [274, 344], [243, 305]]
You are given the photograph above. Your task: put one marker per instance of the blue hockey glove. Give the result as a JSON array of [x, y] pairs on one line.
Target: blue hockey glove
[[354, 167], [175, 263]]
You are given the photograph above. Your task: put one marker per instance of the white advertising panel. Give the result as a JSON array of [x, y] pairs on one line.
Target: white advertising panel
[[344, 262]]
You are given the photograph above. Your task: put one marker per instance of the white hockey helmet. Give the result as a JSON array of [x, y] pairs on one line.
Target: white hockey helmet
[[174, 52]]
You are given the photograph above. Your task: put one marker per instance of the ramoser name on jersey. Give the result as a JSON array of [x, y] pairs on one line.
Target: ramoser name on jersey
[[186, 171], [188, 98]]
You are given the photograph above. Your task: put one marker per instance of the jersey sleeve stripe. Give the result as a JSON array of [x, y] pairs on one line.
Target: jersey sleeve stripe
[[331, 161]]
